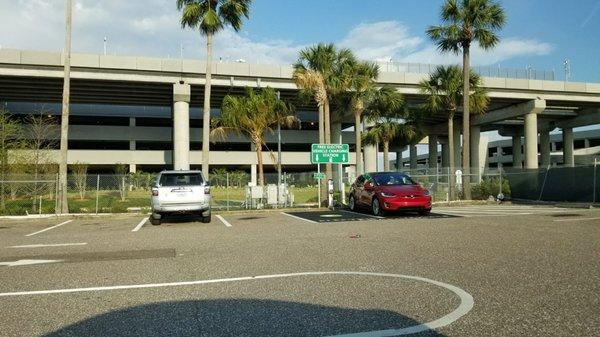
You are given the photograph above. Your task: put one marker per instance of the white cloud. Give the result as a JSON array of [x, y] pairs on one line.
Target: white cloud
[[380, 40], [152, 28], [508, 48]]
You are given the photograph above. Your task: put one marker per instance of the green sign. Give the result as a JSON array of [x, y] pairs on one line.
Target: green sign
[[318, 176], [330, 153]]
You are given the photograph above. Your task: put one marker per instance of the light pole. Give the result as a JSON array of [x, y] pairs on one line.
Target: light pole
[[278, 152], [64, 125]]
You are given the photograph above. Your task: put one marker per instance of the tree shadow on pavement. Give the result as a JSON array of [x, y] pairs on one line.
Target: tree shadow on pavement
[[237, 317]]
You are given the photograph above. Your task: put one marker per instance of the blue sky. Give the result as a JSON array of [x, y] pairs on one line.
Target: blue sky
[[572, 28], [540, 34]]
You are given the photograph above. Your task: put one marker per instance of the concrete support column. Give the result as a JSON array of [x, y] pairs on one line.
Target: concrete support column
[[568, 148], [181, 126], [433, 152], [132, 168], [457, 145], [370, 154], [412, 148], [545, 148], [517, 156], [445, 155], [475, 136], [336, 138], [399, 161], [531, 141]]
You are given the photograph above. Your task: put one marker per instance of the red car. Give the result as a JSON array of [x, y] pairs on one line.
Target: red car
[[384, 192]]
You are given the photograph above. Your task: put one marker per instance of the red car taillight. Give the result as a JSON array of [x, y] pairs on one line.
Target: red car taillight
[[155, 193]]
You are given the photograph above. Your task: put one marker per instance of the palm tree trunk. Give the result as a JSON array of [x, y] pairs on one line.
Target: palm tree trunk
[[451, 156], [328, 166], [358, 142], [206, 111], [261, 174], [321, 125], [64, 126], [466, 155], [386, 155]]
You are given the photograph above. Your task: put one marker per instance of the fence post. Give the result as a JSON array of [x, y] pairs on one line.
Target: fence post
[[449, 183], [56, 184], [97, 190], [40, 207], [227, 189]]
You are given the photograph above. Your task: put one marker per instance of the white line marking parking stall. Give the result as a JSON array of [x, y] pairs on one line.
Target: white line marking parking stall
[[50, 245], [466, 300], [49, 228], [140, 225], [225, 222], [26, 262], [297, 217]]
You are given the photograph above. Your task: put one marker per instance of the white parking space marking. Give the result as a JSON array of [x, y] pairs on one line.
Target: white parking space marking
[[139, 226], [26, 262], [362, 214], [576, 219], [51, 245], [225, 222], [466, 300], [297, 217], [49, 228]]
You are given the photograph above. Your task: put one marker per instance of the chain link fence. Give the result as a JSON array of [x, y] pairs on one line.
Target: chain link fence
[[111, 193]]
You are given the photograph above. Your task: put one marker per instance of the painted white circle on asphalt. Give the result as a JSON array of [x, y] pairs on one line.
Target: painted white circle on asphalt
[[466, 300]]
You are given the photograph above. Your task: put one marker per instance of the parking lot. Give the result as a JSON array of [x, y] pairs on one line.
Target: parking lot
[[461, 271]]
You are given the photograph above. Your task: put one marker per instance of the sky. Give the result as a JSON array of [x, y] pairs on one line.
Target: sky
[[539, 34]]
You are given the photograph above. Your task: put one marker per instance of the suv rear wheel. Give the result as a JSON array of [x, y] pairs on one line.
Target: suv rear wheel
[[206, 219], [154, 221]]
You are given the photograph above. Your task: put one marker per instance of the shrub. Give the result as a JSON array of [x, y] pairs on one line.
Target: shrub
[[490, 186]]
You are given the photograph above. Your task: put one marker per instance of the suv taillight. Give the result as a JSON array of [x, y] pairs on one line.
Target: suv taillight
[[206, 189], [155, 193]]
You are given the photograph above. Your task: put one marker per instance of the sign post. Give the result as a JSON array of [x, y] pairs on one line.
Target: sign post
[[328, 153]]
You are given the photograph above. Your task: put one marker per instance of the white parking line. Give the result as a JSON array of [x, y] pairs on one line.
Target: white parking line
[[51, 245], [139, 226], [576, 219], [297, 217], [362, 214], [49, 228], [465, 305], [225, 222]]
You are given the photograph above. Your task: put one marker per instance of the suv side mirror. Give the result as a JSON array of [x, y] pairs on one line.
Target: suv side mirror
[[368, 185], [207, 183]]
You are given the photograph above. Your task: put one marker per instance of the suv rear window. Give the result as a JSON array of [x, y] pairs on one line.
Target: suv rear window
[[181, 179]]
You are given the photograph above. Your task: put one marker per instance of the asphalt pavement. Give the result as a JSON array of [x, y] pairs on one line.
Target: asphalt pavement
[[463, 271]]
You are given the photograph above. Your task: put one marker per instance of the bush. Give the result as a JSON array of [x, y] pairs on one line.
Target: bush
[[490, 186]]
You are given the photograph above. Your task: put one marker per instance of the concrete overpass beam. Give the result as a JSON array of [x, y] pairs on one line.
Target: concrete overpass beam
[[534, 106], [531, 137], [181, 126], [568, 156]]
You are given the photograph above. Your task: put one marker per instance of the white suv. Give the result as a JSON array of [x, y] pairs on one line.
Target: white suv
[[182, 192]]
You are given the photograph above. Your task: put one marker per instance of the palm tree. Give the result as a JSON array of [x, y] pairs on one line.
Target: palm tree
[[387, 110], [210, 16], [466, 22], [322, 71], [63, 206], [362, 89], [444, 92], [253, 115]]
